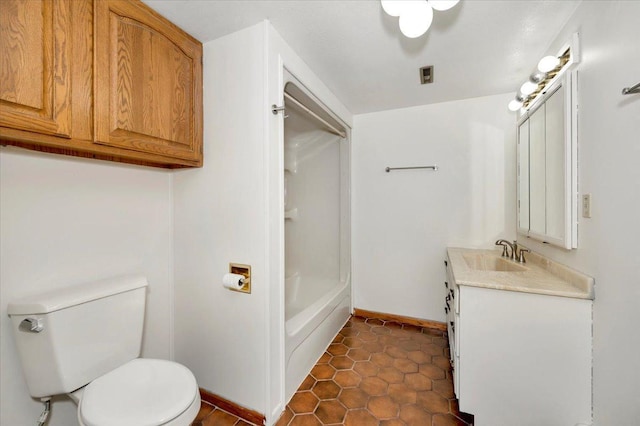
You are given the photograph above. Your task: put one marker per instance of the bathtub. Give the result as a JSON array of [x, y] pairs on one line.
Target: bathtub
[[315, 311]]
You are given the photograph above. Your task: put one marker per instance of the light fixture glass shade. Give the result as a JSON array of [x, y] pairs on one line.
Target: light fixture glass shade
[[394, 7], [416, 19], [548, 63], [515, 105], [441, 5], [528, 88]]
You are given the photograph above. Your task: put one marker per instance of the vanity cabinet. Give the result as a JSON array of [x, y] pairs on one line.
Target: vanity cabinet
[[452, 311], [520, 358], [130, 79]]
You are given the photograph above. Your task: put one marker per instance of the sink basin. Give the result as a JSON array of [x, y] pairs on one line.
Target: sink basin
[[487, 262]]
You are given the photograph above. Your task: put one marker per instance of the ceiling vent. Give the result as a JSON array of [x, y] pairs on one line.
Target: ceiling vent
[[426, 74]]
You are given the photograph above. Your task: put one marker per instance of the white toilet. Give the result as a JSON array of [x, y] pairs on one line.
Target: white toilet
[[85, 340]]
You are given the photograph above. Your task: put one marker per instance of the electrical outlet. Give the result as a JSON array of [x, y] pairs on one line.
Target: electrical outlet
[[586, 205]]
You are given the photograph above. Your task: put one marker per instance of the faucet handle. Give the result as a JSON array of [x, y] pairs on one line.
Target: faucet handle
[[521, 258]]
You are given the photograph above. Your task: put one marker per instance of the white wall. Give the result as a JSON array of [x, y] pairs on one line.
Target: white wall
[[404, 220], [220, 218], [609, 159], [64, 221], [231, 210]]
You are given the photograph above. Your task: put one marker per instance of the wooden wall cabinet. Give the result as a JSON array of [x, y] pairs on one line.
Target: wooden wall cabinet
[[35, 57], [107, 79], [146, 72]]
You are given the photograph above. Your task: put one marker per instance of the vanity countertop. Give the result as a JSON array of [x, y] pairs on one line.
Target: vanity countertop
[[538, 275]]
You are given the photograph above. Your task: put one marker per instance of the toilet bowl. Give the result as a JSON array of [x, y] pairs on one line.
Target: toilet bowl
[[92, 335], [142, 392]]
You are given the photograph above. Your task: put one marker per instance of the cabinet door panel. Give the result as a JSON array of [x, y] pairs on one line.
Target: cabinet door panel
[[148, 75], [537, 170], [555, 164], [35, 53], [523, 177]]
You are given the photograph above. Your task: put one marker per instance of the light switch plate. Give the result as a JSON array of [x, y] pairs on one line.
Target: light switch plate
[[586, 205]]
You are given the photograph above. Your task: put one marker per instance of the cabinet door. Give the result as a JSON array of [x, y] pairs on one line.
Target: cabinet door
[[555, 165], [148, 76], [523, 177], [35, 66], [537, 170]]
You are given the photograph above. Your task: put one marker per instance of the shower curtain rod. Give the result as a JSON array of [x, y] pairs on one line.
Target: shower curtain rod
[[316, 116]]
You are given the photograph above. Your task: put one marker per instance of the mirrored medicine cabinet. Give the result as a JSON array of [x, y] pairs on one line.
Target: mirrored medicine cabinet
[[547, 165]]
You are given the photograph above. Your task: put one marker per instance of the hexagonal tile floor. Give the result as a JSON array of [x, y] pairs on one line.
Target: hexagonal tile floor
[[373, 373], [379, 373]]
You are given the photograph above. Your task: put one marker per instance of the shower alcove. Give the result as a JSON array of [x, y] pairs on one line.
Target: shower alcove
[[317, 260]]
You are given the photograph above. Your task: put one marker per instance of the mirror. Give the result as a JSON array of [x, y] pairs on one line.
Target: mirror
[[547, 166]]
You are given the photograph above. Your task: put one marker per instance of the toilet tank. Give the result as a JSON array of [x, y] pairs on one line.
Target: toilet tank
[[86, 331]]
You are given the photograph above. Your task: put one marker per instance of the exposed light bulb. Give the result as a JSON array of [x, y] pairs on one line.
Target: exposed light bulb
[[528, 88], [441, 5], [395, 7], [416, 19], [548, 63], [537, 77], [515, 105]]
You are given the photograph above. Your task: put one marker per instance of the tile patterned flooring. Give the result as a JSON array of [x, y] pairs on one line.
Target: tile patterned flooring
[[374, 373]]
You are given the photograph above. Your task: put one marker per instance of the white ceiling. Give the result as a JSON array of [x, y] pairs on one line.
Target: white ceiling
[[478, 48]]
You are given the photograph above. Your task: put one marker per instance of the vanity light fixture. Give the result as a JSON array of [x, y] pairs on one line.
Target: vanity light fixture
[[415, 16], [548, 63], [517, 103], [528, 87], [548, 70]]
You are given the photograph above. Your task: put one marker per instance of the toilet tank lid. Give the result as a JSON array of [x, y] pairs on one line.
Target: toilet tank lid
[[66, 297]]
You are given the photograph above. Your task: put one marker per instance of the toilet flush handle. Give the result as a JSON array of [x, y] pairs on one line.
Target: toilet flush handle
[[32, 325]]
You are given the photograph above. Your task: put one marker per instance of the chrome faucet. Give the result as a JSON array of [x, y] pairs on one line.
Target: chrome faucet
[[506, 245], [517, 253]]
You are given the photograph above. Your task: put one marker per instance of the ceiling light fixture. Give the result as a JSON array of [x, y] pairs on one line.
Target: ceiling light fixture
[[442, 5], [415, 15]]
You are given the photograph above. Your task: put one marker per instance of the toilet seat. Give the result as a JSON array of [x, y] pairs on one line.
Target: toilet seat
[[142, 392]]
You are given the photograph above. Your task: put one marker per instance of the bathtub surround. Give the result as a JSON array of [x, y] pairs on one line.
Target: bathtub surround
[[402, 221], [65, 221], [317, 292]]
